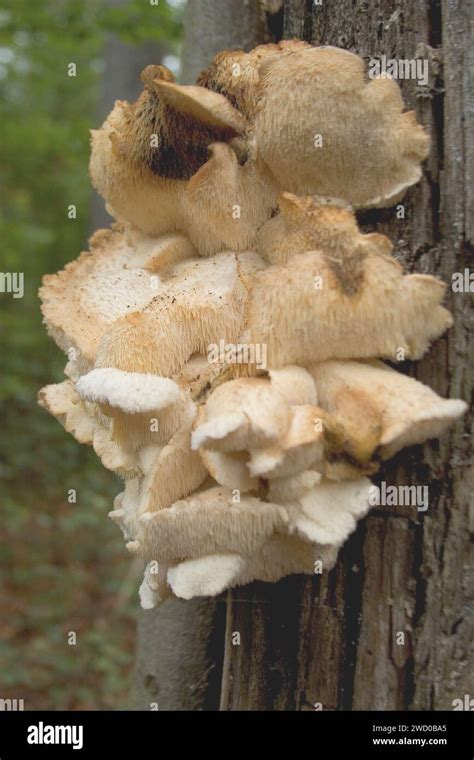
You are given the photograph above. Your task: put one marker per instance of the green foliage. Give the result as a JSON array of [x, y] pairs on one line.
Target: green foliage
[[131, 22], [65, 563]]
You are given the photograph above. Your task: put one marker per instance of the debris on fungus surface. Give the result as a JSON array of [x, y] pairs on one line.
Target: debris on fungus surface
[[225, 336]]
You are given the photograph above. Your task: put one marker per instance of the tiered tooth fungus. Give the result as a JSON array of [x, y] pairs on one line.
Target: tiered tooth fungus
[[227, 333]]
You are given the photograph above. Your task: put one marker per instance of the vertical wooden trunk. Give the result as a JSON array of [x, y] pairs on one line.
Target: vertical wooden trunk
[[335, 641], [215, 25]]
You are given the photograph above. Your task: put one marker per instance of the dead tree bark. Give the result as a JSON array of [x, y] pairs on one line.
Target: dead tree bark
[[334, 640], [331, 641]]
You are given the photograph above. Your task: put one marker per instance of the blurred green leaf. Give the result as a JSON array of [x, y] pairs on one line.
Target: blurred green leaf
[[62, 563]]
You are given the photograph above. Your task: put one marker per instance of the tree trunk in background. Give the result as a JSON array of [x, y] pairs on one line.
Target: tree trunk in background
[[332, 640], [215, 25]]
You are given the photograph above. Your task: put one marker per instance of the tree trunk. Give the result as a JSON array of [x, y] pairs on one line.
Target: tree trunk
[[334, 641], [215, 25]]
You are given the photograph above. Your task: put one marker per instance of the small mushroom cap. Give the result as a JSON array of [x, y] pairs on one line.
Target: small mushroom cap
[[139, 431], [252, 412], [57, 398], [284, 555], [381, 410], [113, 456], [205, 576], [298, 449], [242, 414], [251, 427], [328, 513], [85, 422], [131, 392], [199, 104], [153, 71], [62, 401]]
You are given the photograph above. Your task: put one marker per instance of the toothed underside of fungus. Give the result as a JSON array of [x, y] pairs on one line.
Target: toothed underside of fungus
[[234, 228]]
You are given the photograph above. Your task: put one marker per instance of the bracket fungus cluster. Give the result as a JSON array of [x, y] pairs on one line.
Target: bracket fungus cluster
[[235, 228]]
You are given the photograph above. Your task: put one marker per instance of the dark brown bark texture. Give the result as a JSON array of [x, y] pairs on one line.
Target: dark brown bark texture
[[333, 641]]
